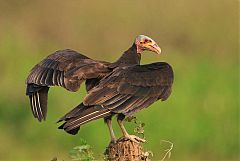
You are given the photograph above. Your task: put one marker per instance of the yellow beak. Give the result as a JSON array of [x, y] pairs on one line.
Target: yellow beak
[[153, 47]]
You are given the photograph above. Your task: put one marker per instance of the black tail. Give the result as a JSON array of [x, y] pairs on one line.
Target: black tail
[[38, 96], [81, 115]]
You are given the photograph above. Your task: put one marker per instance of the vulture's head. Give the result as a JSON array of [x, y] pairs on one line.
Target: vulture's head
[[146, 43]]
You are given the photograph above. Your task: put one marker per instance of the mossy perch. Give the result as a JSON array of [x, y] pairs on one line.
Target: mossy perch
[[126, 150]]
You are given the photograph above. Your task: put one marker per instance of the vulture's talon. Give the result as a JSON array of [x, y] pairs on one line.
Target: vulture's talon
[[135, 138]]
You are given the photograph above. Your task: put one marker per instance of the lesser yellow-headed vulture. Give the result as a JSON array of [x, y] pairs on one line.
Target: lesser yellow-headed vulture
[[121, 88]]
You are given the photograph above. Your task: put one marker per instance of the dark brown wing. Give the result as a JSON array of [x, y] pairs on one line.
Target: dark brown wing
[[129, 89], [65, 68]]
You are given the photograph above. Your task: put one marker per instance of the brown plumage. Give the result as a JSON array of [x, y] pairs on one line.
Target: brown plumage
[[65, 68], [123, 87]]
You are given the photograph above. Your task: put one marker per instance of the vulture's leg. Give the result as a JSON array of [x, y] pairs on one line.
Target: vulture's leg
[[108, 120], [134, 138]]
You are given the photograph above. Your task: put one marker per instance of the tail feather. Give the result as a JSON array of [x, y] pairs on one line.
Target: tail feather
[[77, 111], [38, 96], [82, 115]]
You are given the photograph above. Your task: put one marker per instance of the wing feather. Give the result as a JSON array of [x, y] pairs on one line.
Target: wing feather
[[129, 89], [65, 68]]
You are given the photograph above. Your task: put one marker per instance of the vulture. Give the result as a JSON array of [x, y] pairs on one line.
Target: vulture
[[121, 88]]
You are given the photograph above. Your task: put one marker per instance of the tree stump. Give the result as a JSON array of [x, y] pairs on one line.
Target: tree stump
[[126, 150]]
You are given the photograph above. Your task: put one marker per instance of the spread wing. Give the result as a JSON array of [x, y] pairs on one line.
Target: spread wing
[[128, 89], [65, 68]]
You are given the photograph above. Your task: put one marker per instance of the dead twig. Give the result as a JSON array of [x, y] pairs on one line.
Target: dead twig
[[168, 151]]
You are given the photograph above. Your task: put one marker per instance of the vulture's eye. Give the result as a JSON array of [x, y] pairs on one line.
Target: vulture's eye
[[147, 41]]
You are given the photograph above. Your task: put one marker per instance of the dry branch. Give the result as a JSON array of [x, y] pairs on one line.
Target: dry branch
[[126, 150]]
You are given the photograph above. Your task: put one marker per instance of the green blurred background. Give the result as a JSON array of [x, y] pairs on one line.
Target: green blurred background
[[198, 38]]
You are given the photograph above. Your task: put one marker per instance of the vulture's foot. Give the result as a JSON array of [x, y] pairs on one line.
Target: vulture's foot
[[134, 138]]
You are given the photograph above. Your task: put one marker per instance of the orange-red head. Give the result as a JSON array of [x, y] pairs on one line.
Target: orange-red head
[[146, 43]]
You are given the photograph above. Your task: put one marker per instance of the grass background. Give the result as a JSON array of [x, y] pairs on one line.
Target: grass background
[[198, 38]]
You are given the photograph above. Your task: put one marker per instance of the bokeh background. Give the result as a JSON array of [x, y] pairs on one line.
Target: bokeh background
[[198, 38]]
